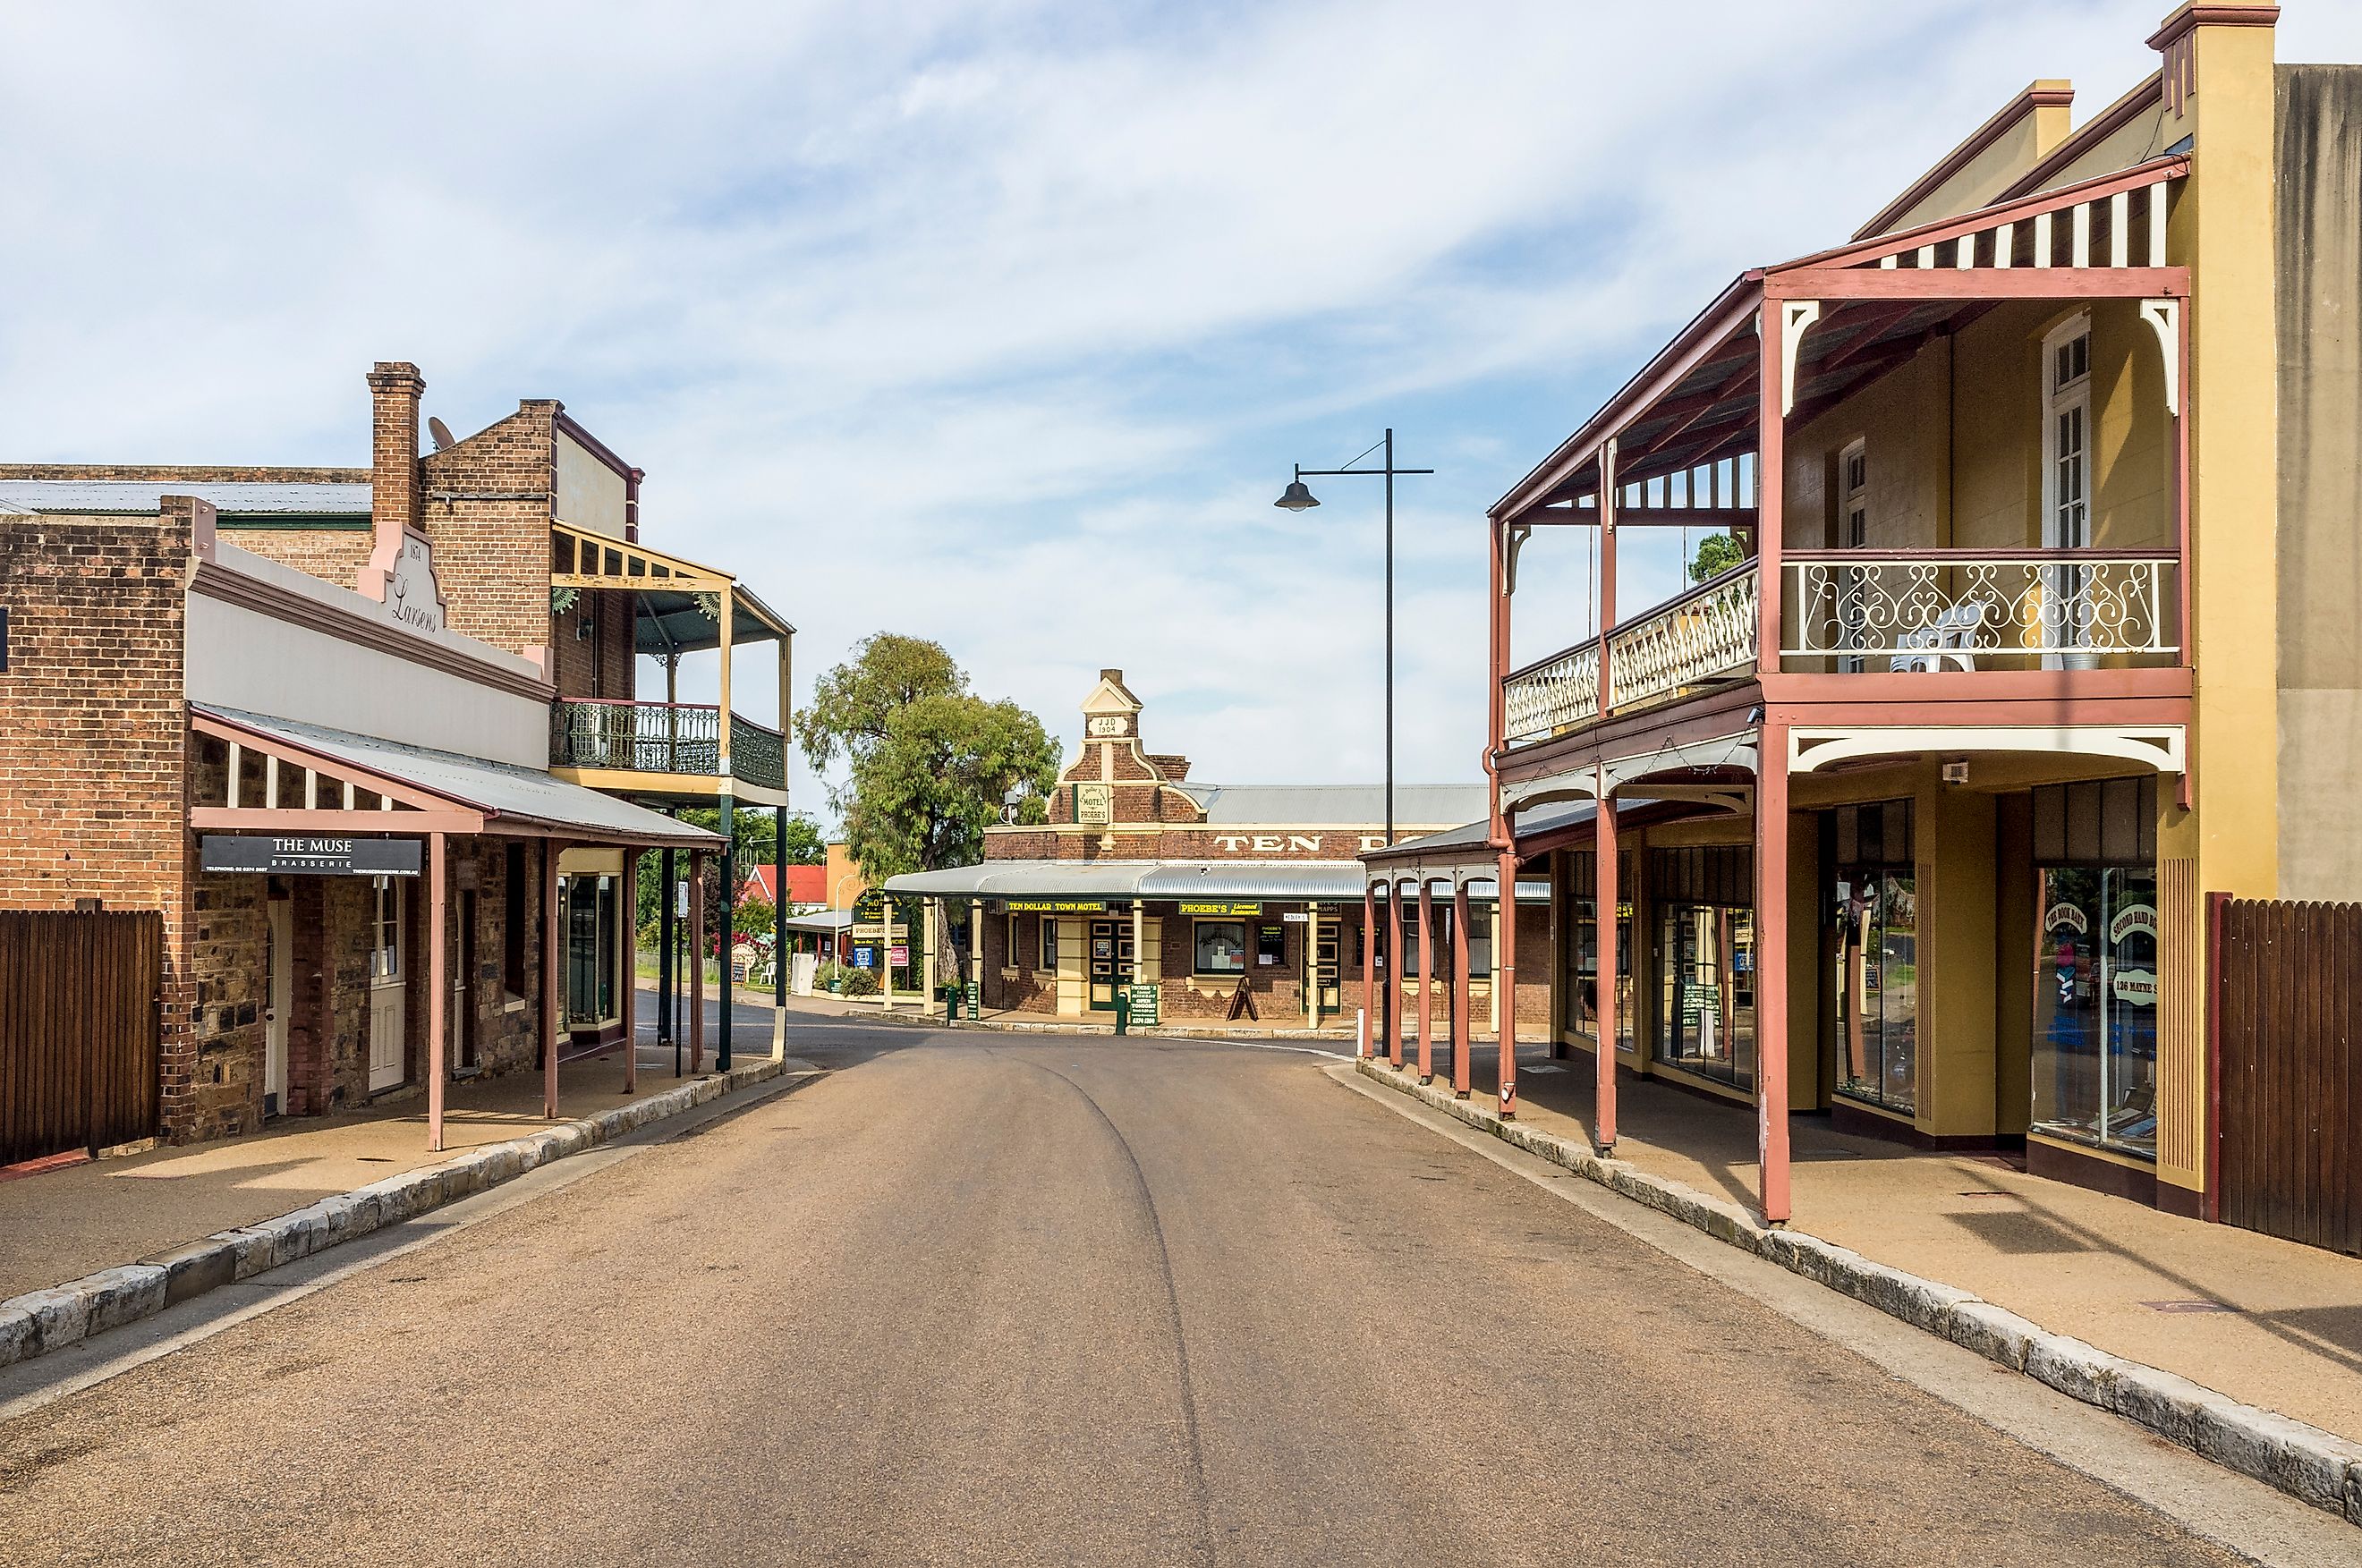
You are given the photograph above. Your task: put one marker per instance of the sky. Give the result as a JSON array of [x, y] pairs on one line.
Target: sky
[[999, 323]]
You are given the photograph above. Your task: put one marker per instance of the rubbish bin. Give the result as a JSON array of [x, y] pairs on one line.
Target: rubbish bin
[[1122, 1010], [951, 1001]]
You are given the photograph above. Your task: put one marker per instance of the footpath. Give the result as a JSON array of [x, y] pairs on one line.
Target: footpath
[[911, 1011], [2242, 1347], [89, 1247]]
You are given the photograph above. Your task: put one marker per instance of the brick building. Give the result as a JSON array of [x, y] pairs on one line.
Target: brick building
[[219, 685], [1205, 902]]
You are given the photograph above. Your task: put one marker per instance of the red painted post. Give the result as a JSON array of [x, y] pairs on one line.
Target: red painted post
[[1461, 991], [1369, 967], [1426, 981], [696, 964], [1771, 467], [1606, 896], [1394, 972], [438, 981], [553, 1009], [632, 970], [1771, 970], [1504, 980]]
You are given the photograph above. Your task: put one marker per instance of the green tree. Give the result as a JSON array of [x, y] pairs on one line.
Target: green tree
[[1716, 553], [927, 763]]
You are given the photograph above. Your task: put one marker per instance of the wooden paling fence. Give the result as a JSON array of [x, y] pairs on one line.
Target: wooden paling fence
[[2289, 1053], [81, 1034]]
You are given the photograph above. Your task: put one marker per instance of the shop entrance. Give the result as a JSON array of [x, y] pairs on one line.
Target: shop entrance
[[1327, 989], [386, 980], [1874, 901], [1110, 960]]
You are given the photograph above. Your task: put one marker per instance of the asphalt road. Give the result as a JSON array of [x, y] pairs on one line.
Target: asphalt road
[[997, 1299]]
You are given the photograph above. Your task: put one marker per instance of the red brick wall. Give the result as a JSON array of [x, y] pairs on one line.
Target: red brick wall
[[93, 741], [488, 510], [601, 664], [332, 554]]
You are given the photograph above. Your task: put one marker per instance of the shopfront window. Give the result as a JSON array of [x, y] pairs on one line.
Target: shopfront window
[[2095, 993], [1411, 939], [1874, 904], [1222, 946], [385, 929], [1583, 959], [1709, 1017], [589, 903]]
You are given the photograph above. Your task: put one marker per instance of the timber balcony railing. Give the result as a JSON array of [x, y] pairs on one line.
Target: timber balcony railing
[[1976, 610], [1707, 634], [1856, 612], [664, 738]]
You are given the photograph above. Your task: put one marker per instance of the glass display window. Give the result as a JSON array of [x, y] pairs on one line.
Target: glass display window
[[1874, 906], [1706, 1025], [1582, 969], [2095, 993], [1221, 946]]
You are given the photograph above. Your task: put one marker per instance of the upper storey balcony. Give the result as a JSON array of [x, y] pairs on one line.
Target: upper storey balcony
[[1980, 456], [615, 602]]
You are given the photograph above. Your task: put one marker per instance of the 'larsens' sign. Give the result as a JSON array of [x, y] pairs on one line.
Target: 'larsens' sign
[[311, 854]]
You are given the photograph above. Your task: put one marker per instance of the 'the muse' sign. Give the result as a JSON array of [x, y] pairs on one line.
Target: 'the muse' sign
[[311, 854]]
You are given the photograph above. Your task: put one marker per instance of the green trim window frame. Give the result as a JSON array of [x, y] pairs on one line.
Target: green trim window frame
[[1047, 926], [1217, 949]]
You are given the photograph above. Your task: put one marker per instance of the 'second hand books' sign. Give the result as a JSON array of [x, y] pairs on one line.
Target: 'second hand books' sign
[[310, 854]]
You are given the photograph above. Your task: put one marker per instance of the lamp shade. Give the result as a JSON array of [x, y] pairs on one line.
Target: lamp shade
[[1295, 498]]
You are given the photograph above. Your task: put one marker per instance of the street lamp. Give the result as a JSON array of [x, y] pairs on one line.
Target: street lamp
[[1298, 498]]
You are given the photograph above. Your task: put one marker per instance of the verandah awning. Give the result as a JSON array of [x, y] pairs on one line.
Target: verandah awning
[[1316, 881], [427, 791]]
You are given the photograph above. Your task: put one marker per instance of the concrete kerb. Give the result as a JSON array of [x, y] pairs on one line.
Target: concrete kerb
[[42, 1321], [2315, 1467]]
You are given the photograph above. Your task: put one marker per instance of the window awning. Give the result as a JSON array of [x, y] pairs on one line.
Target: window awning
[[312, 775]]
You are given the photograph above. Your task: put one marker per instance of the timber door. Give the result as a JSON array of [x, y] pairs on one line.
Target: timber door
[[1110, 956], [1327, 989], [279, 1005], [386, 1015]]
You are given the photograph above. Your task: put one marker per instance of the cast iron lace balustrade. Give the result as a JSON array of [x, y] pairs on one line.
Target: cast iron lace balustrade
[[1967, 610], [1706, 635], [663, 738]]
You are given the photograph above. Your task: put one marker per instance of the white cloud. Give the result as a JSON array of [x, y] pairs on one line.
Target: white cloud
[[997, 323]]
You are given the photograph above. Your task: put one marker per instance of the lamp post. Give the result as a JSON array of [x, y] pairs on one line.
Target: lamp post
[[1297, 498]]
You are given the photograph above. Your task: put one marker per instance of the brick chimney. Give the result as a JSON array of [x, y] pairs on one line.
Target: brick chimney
[[397, 498]]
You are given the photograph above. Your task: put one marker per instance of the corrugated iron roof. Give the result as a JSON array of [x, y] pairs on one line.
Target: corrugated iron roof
[[500, 789], [140, 497]]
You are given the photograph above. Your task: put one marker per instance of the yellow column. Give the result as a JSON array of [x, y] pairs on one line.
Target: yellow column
[[2221, 228]]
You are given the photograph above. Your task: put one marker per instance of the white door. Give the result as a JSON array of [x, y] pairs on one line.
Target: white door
[[385, 985], [276, 1016]]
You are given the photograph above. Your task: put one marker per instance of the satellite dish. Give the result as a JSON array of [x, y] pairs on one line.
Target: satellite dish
[[439, 430]]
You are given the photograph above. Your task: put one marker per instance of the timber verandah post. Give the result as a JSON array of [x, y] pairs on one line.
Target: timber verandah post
[[1771, 775], [696, 962], [553, 1009], [1504, 979], [1394, 971], [1365, 1045], [631, 977], [1425, 980], [1462, 991], [1605, 904], [438, 1000]]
